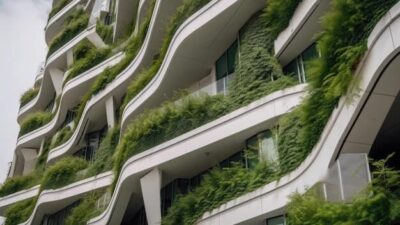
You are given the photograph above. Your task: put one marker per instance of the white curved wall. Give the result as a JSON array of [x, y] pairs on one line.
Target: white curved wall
[[118, 86], [51, 201], [374, 71], [192, 146]]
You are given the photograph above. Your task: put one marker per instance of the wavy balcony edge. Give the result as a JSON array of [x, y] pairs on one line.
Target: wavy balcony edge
[[144, 54], [341, 123], [48, 199], [270, 107]]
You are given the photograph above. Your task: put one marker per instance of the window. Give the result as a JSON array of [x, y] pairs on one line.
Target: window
[[279, 220], [299, 66], [261, 147], [225, 66]]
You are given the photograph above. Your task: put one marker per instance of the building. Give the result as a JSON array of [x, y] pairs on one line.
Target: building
[[189, 111]]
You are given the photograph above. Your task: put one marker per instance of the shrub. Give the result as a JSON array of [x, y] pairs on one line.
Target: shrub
[[216, 188], [17, 183], [61, 137], [86, 210], [82, 49], [28, 96], [380, 206], [170, 120], [74, 24], [92, 58], [103, 158], [104, 31], [60, 5], [34, 121], [19, 212], [277, 15], [62, 173]]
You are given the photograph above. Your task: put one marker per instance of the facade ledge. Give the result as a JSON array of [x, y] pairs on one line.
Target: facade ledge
[[120, 83], [233, 13], [301, 31], [8, 200], [51, 201], [55, 23], [196, 143], [273, 197]]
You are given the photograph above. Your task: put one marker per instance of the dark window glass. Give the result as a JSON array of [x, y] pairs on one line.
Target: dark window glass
[[232, 51], [221, 67], [279, 220]]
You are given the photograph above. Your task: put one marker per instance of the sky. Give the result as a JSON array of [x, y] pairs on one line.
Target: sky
[[22, 49]]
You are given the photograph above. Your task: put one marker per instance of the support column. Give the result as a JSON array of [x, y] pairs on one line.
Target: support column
[[30, 155], [151, 191], [70, 57], [57, 77], [95, 39], [110, 111], [42, 146]]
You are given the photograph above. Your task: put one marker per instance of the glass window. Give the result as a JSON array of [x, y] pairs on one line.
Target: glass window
[[225, 66], [268, 150], [298, 67], [232, 50], [261, 147], [279, 220]]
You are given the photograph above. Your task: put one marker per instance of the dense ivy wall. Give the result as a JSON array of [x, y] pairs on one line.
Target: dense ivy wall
[[256, 65]]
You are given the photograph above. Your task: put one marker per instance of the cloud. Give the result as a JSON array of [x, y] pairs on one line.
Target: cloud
[[22, 48]]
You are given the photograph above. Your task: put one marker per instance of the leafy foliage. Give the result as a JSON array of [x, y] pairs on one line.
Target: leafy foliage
[[92, 57], [20, 211], [380, 206], [60, 5], [109, 74], [62, 173], [104, 31], [34, 121], [341, 45], [74, 24], [103, 158], [216, 188], [277, 15], [86, 210], [17, 183], [186, 9], [253, 80], [163, 123], [28, 96], [61, 137]]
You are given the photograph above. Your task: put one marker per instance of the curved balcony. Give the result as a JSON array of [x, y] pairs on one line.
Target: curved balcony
[[70, 96], [221, 21], [57, 60], [95, 106], [54, 25], [301, 31], [201, 147], [51, 201], [352, 128], [7, 201], [143, 7]]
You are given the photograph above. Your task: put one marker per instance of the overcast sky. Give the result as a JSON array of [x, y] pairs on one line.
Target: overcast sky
[[22, 48]]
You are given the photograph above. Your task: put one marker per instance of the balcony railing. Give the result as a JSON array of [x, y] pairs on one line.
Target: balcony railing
[[216, 87], [348, 177]]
